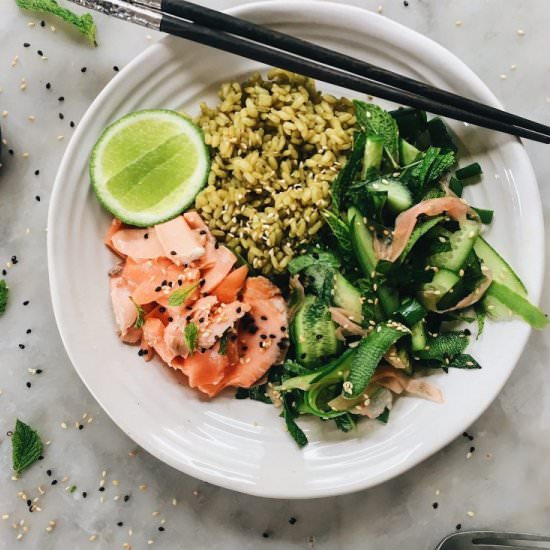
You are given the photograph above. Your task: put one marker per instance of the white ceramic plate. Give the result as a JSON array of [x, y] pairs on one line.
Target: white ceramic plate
[[242, 445]]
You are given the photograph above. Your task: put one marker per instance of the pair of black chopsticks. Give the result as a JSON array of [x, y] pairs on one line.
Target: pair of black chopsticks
[[246, 39]]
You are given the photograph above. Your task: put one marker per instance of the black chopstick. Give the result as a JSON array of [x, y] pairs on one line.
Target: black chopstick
[[267, 55], [269, 37]]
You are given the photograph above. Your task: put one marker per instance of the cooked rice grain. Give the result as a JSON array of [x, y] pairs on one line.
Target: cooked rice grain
[[277, 145]]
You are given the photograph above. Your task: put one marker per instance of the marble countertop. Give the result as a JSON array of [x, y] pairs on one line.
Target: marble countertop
[[497, 480]]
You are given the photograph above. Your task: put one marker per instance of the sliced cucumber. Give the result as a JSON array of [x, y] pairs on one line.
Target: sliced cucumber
[[314, 333], [408, 153], [462, 242], [419, 336], [440, 285], [362, 241], [347, 297], [372, 157], [399, 197], [419, 231], [389, 299]]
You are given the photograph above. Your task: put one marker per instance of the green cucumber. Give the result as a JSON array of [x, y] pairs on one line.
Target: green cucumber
[[419, 231], [440, 285], [372, 157], [389, 299], [408, 153], [470, 171], [411, 311], [419, 336], [399, 196], [362, 241], [314, 333], [515, 304], [348, 297], [462, 242]]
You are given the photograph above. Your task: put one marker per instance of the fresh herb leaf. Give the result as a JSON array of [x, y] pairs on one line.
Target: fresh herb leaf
[[374, 120], [481, 315], [139, 319], [433, 166], [340, 230], [84, 23], [345, 423], [256, 393], [289, 414], [445, 346], [4, 293], [191, 335], [347, 174], [179, 297], [463, 361], [223, 343], [72, 489], [385, 416], [26, 446]]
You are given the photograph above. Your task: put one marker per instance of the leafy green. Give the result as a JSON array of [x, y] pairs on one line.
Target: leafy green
[[256, 393], [179, 296], [463, 361], [419, 231], [369, 353], [445, 346], [223, 343], [26, 446], [385, 416], [289, 414], [347, 174], [340, 230], [139, 319], [315, 257], [191, 335], [4, 293], [83, 23], [374, 120], [433, 166], [345, 423], [481, 315]]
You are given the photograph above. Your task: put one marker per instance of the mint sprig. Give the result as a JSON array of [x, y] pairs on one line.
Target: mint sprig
[[4, 293], [179, 297], [191, 335], [26, 446]]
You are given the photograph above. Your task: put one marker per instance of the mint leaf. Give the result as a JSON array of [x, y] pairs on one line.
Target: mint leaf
[[139, 319], [223, 343], [293, 429], [191, 335], [4, 292], [345, 423], [26, 446], [178, 297], [83, 23], [340, 230], [374, 120]]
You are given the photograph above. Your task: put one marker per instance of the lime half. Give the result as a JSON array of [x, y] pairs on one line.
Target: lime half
[[148, 166]]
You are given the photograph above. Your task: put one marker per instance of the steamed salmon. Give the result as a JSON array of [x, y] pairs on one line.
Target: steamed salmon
[[198, 313]]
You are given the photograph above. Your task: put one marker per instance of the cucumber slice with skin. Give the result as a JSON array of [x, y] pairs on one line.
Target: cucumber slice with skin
[[372, 157], [362, 241], [399, 197], [419, 336], [462, 242], [314, 333], [432, 292], [408, 153], [347, 297]]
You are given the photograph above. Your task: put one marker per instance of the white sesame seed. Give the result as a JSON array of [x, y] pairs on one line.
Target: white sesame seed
[[52, 28], [114, 482], [31, 24], [60, 138], [92, 538], [143, 487], [23, 86], [155, 513], [64, 425], [31, 118], [4, 114], [470, 514], [513, 67], [150, 541], [520, 32], [174, 502], [503, 76], [25, 155], [14, 61], [458, 23], [19, 537], [5, 516]]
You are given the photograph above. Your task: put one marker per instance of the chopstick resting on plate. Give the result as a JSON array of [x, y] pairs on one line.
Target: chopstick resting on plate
[[237, 36]]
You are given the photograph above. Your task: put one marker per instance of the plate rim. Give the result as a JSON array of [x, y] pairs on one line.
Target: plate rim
[[437, 51]]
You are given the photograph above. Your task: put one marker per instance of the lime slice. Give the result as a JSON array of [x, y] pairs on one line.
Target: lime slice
[[148, 166]]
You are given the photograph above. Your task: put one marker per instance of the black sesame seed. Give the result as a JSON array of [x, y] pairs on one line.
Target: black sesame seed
[[283, 329], [29, 502], [202, 282], [319, 336], [173, 253], [83, 69], [161, 528], [467, 332], [170, 319], [405, 3], [272, 336], [60, 98], [84, 494], [146, 236], [37, 198], [28, 384], [216, 245], [14, 259], [80, 427], [472, 449], [36, 172], [21, 346], [42, 23], [26, 45], [202, 232], [158, 289], [263, 318], [233, 337], [72, 124], [263, 336], [245, 348], [48, 86], [162, 309], [292, 521], [61, 116], [54, 482], [39, 371], [120, 524], [116, 69], [4, 272], [10, 151], [265, 535], [180, 282], [164, 283], [40, 457], [188, 308], [49, 472], [101, 489], [239, 309], [435, 505], [29, 331], [201, 320], [40, 53], [458, 526], [26, 303], [303, 356]]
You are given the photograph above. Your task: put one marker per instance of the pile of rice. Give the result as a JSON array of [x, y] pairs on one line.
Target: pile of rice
[[277, 146]]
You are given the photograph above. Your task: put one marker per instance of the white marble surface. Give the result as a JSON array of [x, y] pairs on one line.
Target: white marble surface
[[505, 482]]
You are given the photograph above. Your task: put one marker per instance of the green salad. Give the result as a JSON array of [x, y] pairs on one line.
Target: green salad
[[382, 296]]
